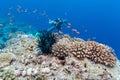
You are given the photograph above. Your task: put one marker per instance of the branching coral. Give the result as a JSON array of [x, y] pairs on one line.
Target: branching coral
[[94, 51], [100, 53], [61, 48]]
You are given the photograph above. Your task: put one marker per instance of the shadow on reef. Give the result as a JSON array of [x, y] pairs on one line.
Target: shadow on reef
[[46, 38], [2, 46]]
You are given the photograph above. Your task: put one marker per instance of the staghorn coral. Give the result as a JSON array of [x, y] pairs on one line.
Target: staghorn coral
[[94, 51]]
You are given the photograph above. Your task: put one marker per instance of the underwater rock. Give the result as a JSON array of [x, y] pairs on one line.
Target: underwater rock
[[8, 75], [29, 71], [24, 73], [29, 66], [22, 44], [45, 70], [2, 46], [5, 59]]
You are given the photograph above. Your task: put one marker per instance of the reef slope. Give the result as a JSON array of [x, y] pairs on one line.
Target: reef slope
[[71, 59]]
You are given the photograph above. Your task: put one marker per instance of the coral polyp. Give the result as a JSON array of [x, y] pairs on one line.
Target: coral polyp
[[92, 50]]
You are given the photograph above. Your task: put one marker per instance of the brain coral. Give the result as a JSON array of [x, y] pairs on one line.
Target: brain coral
[[92, 50]]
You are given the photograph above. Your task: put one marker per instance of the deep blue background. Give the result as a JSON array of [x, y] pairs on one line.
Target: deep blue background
[[100, 17]]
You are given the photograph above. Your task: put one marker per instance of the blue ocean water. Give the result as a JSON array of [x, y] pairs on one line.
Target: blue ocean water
[[98, 20]]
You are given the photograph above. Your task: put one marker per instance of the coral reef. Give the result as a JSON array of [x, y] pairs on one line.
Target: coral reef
[[2, 45], [22, 55], [28, 64], [5, 59], [10, 31], [21, 44], [61, 48], [101, 53], [46, 38], [9, 75], [94, 51]]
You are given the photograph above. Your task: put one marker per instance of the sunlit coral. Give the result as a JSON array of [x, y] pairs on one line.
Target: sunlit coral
[[94, 51]]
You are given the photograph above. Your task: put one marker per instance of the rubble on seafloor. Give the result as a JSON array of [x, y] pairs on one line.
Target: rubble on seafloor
[[21, 59]]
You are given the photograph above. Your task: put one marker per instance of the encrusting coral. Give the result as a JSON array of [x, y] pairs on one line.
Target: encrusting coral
[[94, 51], [28, 65], [21, 44], [5, 59], [50, 56]]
